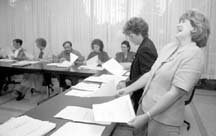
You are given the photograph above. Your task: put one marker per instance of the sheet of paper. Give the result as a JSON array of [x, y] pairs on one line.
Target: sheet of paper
[[113, 67], [86, 86], [105, 78], [79, 93], [62, 64], [24, 63], [7, 60], [79, 129], [91, 67], [79, 114], [106, 89], [73, 58], [92, 61], [24, 125], [118, 110]]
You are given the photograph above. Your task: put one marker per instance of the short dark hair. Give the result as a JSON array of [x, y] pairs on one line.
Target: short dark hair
[[201, 25], [70, 43], [41, 41], [18, 41], [137, 26], [127, 44], [99, 43]]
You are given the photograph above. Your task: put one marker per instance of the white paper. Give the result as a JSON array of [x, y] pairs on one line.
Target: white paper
[[7, 60], [92, 61], [62, 64], [118, 110], [79, 93], [79, 129], [114, 67], [79, 114], [91, 67], [24, 63], [73, 58], [86, 86], [105, 78], [106, 89], [25, 126]]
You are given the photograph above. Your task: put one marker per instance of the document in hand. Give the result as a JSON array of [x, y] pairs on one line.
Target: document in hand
[[114, 67], [25, 126], [92, 61], [118, 110], [79, 129], [73, 58]]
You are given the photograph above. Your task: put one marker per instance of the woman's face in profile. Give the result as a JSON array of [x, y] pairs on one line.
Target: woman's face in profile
[[96, 48], [184, 29], [124, 48]]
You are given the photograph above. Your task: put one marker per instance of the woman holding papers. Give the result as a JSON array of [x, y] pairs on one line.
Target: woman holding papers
[[174, 74], [126, 55], [136, 29], [97, 47], [66, 81]]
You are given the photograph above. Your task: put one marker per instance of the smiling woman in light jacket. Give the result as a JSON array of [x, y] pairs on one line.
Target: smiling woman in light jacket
[[173, 75]]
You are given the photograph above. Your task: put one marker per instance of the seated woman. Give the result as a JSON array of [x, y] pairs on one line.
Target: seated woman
[[126, 55], [67, 81], [97, 47], [32, 81], [18, 52]]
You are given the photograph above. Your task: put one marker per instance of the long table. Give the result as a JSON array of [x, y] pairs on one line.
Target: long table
[[48, 109]]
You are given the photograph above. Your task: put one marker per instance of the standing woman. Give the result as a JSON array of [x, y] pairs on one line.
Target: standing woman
[[173, 75], [97, 49], [126, 55]]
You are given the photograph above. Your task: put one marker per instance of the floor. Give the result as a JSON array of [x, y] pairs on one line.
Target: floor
[[201, 113]]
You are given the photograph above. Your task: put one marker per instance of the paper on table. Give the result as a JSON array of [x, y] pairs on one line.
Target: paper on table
[[113, 67], [86, 86], [106, 89], [79, 129], [92, 61], [24, 125], [24, 63], [106, 78], [80, 93], [80, 114], [118, 110], [7, 60], [91, 67]]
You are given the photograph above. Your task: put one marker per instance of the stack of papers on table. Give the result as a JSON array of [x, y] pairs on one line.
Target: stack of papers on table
[[79, 129], [118, 110], [25, 126], [24, 63], [79, 114], [79, 93], [114, 67], [91, 67]]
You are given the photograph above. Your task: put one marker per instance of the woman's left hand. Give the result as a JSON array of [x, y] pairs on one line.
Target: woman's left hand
[[138, 121]]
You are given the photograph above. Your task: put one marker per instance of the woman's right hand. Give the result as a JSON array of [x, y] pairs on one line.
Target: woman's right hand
[[122, 92]]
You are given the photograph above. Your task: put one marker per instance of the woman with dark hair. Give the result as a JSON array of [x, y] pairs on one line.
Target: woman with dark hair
[[172, 77], [125, 55], [97, 47]]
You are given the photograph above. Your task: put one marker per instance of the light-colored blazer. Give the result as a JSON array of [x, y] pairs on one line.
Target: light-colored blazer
[[175, 67]]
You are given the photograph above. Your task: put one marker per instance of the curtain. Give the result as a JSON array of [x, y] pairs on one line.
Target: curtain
[[80, 21]]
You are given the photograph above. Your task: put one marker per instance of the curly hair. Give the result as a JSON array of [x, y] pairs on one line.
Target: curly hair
[[99, 43], [200, 24], [137, 26]]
